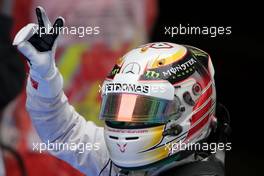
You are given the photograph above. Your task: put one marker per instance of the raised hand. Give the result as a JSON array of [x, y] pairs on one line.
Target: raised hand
[[38, 44]]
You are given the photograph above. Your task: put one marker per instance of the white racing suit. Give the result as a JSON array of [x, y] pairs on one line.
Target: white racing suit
[[57, 121]]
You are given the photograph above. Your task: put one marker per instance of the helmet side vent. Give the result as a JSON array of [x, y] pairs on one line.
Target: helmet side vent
[[113, 137], [132, 138]]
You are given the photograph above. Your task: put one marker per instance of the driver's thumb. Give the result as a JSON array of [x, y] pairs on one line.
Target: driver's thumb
[[25, 33]]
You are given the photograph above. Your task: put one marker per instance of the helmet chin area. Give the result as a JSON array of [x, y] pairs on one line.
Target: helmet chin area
[[135, 145]]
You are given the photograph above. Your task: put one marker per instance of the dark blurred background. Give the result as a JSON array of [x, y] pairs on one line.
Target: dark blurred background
[[238, 60]]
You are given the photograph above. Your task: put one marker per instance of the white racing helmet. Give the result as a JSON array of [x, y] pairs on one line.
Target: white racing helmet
[[157, 95]]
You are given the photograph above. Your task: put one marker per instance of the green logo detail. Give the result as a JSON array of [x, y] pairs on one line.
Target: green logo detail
[[115, 71], [186, 72], [198, 53], [152, 74]]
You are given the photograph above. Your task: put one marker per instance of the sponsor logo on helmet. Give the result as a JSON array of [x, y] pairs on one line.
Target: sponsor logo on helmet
[[152, 74], [126, 87], [133, 68], [180, 68], [114, 71]]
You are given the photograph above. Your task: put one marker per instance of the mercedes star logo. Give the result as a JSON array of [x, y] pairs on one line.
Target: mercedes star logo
[[133, 68]]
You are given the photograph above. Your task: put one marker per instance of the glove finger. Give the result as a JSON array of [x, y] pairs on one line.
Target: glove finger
[[57, 27], [25, 33], [43, 19]]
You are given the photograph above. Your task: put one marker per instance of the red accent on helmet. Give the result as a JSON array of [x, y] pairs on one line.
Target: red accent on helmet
[[201, 112]]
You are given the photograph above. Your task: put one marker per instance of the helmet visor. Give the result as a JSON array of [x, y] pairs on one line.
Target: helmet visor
[[126, 107]]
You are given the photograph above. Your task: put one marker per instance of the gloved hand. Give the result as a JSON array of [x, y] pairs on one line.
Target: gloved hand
[[38, 44]]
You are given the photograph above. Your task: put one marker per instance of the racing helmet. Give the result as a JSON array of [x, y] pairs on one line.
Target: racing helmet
[[157, 96]]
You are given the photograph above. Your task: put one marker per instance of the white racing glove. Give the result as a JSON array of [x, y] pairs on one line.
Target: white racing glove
[[38, 44]]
